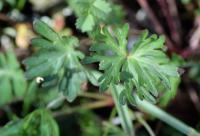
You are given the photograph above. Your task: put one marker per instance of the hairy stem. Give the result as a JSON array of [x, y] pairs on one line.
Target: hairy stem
[[123, 113], [165, 117]]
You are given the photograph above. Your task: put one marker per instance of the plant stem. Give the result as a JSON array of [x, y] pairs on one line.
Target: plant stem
[[93, 95], [87, 106], [165, 117], [145, 124], [123, 112], [112, 115]]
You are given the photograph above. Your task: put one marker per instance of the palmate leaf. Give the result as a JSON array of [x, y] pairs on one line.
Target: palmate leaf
[[38, 123], [167, 96], [12, 80], [143, 67], [89, 12], [57, 61]]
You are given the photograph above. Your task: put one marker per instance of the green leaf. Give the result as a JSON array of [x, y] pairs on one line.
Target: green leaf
[[116, 16], [93, 76], [174, 81], [57, 61], [11, 129], [145, 65], [12, 80], [85, 23], [38, 123], [102, 5], [45, 31], [90, 13], [170, 94], [71, 84]]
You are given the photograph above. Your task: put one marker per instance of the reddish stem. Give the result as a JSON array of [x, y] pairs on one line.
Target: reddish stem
[[158, 27]]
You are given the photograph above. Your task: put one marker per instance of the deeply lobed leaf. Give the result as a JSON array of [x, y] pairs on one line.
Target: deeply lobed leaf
[[143, 67], [12, 80], [57, 61]]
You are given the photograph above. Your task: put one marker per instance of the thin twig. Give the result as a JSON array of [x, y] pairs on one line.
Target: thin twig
[[169, 11], [195, 37], [194, 98], [88, 106], [144, 4], [158, 27], [175, 20], [94, 95], [5, 18], [144, 123]]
